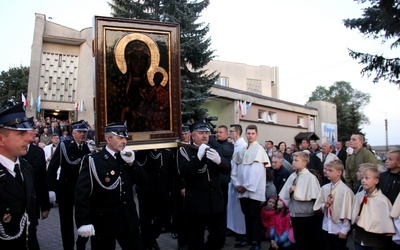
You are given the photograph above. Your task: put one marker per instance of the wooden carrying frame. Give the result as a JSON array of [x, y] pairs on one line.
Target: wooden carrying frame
[[137, 66]]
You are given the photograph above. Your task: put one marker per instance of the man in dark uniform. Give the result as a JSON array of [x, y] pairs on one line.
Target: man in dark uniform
[[201, 166], [68, 156], [36, 158], [155, 198], [17, 195], [104, 206]]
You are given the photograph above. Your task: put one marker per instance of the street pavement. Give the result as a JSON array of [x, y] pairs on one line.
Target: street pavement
[[49, 236]]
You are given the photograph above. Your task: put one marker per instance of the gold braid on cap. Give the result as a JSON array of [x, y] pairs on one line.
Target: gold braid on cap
[[119, 53]]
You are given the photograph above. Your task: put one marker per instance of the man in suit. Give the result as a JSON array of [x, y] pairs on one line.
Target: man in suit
[[54, 129], [326, 156], [35, 156], [227, 152], [341, 151], [17, 194], [104, 206], [68, 156]]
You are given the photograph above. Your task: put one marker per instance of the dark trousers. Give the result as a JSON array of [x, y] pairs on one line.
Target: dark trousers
[[333, 242], [224, 189], [66, 211], [197, 224], [127, 241], [152, 216], [303, 228], [17, 244], [252, 216], [179, 219], [358, 246], [33, 242]]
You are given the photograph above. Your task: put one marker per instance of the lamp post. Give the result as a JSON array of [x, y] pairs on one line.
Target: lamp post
[[387, 138]]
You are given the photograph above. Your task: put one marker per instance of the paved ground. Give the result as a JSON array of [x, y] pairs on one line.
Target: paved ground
[[50, 238]]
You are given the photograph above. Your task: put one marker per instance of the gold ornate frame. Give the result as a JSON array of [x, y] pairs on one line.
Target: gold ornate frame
[[137, 67]]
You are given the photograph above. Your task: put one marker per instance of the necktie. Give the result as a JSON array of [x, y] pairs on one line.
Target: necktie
[[18, 174], [80, 147], [118, 157]]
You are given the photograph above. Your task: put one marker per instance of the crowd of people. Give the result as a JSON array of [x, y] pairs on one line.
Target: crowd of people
[[211, 186]]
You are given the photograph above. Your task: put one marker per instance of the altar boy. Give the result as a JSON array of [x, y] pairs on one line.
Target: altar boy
[[335, 200]]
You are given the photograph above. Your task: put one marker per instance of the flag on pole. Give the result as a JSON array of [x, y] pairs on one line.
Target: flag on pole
[[81, 105], [31, 101], [248, 106], [24, 100], [76, 105], [38, 104], [242, 109]]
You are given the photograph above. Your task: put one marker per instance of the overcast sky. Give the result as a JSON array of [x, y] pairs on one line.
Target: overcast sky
[[306, 39]]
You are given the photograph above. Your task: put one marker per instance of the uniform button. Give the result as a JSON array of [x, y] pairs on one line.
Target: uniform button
[[124, 202]]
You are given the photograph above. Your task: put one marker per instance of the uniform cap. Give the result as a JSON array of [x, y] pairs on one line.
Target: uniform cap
[[185, 129], [117, 128], [14, 118], [80, 126], [199, 126]]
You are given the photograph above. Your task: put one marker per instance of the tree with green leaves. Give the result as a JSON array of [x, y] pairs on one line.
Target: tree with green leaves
[[380, 20], [349, 104], [13, 83], [195, 46]]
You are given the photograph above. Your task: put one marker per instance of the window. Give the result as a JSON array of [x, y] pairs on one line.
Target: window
[[271, 116], [300, 121], [223, 81], [262, 115]]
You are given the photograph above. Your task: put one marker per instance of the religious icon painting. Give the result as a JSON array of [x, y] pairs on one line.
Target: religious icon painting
[[137, 65]]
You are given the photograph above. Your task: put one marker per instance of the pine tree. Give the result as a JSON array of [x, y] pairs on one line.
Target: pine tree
[[380, 20], [195, 46]]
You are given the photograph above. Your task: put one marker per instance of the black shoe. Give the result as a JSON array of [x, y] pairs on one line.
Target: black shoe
[[240, 237], [255, 246], [242, 244], [155, 245]]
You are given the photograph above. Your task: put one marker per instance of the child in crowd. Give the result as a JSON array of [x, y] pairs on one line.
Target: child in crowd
[[395, 214], [270, 189], [335, 200], [281, 227], [389, 181], [267, 214], [371, 209], [302, 189]]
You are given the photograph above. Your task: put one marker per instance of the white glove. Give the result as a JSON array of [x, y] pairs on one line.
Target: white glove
[[128, 155], [202, 151], [213, 155], [86, 230], [52, 197]]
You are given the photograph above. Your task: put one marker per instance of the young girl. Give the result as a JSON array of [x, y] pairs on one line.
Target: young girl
[[267, 214], [281, 227]]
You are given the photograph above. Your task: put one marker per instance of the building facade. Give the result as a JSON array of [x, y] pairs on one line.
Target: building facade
[[62, 75]]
